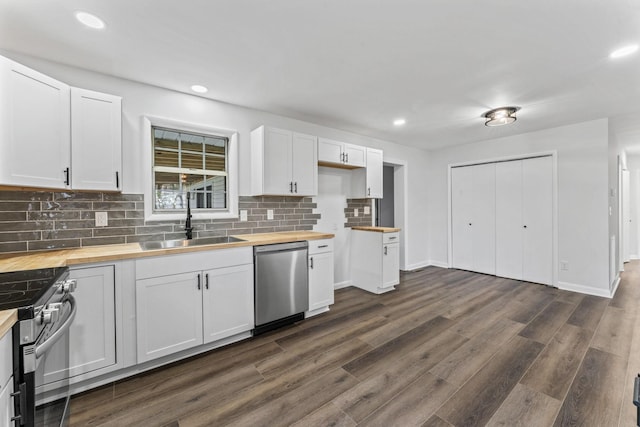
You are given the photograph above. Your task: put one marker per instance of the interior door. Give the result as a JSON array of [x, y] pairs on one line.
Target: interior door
[[483, 230], [461, 217], [509, 227]]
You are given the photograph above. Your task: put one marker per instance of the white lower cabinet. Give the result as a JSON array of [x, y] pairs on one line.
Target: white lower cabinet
[[6, 380], [92, 335], [320, 276], [179, 311], [375, 260]]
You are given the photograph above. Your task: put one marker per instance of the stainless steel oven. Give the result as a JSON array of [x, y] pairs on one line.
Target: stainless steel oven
[[46, 310]]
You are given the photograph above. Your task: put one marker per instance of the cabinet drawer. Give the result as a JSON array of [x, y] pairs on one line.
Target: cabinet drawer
[[6, 359], [391, 238], [319, 246]]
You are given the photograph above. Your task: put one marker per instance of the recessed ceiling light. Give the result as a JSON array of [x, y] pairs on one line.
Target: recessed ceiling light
[[199, 89], [90, 20], [500, 116], [399, 122], [623, 51]]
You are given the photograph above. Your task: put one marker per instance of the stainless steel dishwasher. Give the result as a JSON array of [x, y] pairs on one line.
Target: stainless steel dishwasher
[[281, 284]]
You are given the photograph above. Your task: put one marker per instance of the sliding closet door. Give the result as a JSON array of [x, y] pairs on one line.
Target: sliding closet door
[[509, 227], [537, 220], [461, 213], [483, 227]]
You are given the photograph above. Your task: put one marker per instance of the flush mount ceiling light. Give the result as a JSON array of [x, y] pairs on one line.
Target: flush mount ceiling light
[[199, 89], [500, 116], [623, 51], [90, 20], [399, 122]]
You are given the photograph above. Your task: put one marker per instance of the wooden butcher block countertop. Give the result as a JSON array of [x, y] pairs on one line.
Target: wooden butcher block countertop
[[377, 229], [67, 257]]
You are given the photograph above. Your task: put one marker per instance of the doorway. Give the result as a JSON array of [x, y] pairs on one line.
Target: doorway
[[385, 207]]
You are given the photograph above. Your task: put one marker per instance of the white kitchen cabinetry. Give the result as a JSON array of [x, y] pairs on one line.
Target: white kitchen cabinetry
[[340, 154], [367, 182], [320, 276], [283, 163], [375, 260], [473, 217], [34, 128], [186, 300], [6, 380], [524, 219], [92, 335], [96, 140]]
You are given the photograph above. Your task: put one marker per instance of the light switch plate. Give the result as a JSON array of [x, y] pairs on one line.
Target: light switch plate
[[355, 212], [243, 215], [367, 210], [269, 213], [102, 219]]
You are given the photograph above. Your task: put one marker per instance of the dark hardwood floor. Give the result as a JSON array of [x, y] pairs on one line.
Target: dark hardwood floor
[[448, 348]]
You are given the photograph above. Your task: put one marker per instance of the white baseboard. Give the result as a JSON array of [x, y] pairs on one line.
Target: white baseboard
[[566, 286], [424, 264], [438, 264], [344, 284], [633, 257], [615, 285]]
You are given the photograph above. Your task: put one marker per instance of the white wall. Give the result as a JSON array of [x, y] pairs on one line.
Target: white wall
[[582, 152], [141, 99]]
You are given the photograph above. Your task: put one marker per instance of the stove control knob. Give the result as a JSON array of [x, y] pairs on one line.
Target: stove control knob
[[68, 286], [49, 315]]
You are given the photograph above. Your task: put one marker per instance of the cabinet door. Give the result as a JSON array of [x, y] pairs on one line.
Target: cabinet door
[[462, 217], [228, 302], [305, 165], [34, 128], [374, 173], [6, 403], [277, 162], [537, 220], [330, 151], [320, 280], [92, 335], [483, 231], [509, 228], [96, 140], [390, 265], [168, 314], [355, 155]]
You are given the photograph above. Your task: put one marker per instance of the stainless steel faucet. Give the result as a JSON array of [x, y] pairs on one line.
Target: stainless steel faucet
[[187, 225]]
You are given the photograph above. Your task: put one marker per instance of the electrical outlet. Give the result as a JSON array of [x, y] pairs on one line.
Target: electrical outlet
[[102, 219], [243, 215], [367, 210], [269, 213], [355, 212], [564, 265]]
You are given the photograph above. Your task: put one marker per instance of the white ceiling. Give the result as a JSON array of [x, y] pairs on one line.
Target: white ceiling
[[359, 64]]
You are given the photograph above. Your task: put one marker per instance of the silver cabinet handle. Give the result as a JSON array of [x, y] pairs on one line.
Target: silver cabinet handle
[[311, 262], [323, 246]]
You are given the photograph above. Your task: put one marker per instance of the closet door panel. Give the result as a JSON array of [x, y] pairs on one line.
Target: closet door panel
[[461, 212], [509, 235], [484, 218], [537, 219]]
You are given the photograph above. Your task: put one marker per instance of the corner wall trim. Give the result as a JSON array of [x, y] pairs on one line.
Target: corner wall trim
[[344, 284], [565, 286]]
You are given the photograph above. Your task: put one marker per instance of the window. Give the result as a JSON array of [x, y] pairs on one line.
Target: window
[[183, 156], [189, 162]]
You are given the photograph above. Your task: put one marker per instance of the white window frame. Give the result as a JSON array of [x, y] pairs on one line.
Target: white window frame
[[232, 168]]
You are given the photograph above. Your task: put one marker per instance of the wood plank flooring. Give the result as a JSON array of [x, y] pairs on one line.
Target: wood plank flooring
[[447, 348]]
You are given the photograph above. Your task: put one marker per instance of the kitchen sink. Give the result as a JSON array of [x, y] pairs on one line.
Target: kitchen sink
[[183, 243]]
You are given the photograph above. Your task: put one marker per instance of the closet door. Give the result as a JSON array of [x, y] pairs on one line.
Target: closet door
[[461, 213], [509, 227], [483, 228], [537, 220]]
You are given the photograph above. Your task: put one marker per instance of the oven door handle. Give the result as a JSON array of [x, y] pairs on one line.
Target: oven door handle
[[49, 342]]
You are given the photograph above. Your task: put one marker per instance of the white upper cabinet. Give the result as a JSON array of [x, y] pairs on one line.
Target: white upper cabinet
[[340, 154], [53, 136], [367, 182], [283, 163], [34, 128], [96, 141]]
